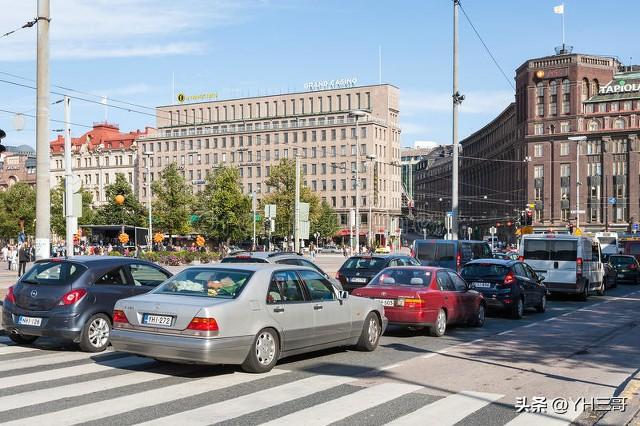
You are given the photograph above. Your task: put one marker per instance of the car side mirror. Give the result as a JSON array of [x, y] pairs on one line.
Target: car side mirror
[[541, 278], [343, 295]]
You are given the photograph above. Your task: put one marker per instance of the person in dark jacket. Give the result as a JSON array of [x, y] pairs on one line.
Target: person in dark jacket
[[24, 256]]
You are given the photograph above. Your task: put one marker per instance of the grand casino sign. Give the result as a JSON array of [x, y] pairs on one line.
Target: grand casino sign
[[620, 86]]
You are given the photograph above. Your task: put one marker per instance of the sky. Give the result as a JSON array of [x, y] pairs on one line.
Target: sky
[[132, 50]]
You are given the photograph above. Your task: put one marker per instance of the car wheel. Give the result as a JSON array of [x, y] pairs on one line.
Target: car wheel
[[601, 291], [95, 334], [542, 306], [518, 309], [585, 292], [479, 319], [438, 329], [370, 335], [264, 352], [22, 339]]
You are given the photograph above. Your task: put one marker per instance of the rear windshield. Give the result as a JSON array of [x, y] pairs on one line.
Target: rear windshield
[[242, 259], [558, 250], [412, 277], [618, 260], [364, 263], [484, 270], [53, 273], [436, 251], [218, 283]]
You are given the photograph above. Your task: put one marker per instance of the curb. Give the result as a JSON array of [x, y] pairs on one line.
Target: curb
[[632, 392]]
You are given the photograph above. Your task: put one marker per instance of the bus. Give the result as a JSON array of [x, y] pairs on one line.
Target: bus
[[608, 242]]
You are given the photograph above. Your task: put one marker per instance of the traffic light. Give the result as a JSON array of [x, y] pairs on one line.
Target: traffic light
[[2, 136], [267, 224]]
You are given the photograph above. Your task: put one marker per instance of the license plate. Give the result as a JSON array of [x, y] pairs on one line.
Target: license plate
[[481, 285], [156, 319], [358, 280], [620, 275], [387, 302], [36, 322]]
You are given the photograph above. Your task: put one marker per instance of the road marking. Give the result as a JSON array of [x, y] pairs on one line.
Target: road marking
[[14, 349], [249, 403], [111, 407], [45, 358], [533, 324], [42, 396], [340, 408], [78, 370], [502, 333], [545, 419], [449, 410]]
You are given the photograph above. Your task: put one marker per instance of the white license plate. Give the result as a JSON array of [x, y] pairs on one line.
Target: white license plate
[[481, 285], [620, 275], [387, 302], [358, 280], [156, 319], [36, 322]]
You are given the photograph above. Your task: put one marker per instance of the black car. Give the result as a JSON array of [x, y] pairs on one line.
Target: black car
[[627, 268], [610, 276], [358, 270], [506, 284], [73, 298]]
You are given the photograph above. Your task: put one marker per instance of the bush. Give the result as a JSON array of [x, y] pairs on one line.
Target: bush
[[115, 253]]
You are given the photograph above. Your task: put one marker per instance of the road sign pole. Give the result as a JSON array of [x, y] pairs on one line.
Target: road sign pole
[[253, 205]]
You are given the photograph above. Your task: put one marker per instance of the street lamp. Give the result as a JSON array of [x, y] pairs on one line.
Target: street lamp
[[371, 158], [577, 139], [357, 114], [148, 155]]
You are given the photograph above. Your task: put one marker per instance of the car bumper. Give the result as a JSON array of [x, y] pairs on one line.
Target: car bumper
[[565, 288], [424, 317], [217, 350], [627, 277], [64, 326]]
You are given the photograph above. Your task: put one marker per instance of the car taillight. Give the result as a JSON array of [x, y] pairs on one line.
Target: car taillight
[[119, 317], [579, 266], [10, 297], [458, 262], [412, 253], [509, 279], [203, 324], [521, 258], [338, 275], [411, 303], [633, 266], [74, 296]]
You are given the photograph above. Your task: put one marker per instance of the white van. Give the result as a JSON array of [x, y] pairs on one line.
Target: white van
[[570, 264]]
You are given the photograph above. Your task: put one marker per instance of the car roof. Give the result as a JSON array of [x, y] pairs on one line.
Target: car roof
[[503, 262], [379, 255], [264, 254], [88, 260], [424, 268], [621, 255], [248, 266]]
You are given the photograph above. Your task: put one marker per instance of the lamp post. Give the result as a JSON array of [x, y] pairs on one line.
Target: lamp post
[[372, 159], [577, 139], [357, 114], [148, 155]]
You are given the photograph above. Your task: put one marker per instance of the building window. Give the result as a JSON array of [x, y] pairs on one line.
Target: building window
[[627, 106], [613, 106], [553, 97], [537, 150], [538, 129], [540, 99], [564, 148], [566, 96], [538, 172], [593, 126], [565, 127], [619, 123]]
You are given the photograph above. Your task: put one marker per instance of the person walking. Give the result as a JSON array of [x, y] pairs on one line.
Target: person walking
[[5, 253], [312, 250], [10, 258], [23, 258]]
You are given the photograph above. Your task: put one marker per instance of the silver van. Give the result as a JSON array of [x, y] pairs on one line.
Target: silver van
[[570, 264]]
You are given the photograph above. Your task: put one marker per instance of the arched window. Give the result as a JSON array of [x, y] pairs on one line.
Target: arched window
[[619, 123], [540, 99], [566, 96], [593, 126], [595, 87], [553, 97], [584, 92]]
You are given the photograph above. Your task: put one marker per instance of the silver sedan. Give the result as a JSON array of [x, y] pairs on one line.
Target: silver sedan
[[247, 314]]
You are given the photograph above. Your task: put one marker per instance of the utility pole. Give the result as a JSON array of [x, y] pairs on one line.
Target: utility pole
[[148, 155], [296, 229], [457, 100], [253, 207], [68, 176], [43, 196]]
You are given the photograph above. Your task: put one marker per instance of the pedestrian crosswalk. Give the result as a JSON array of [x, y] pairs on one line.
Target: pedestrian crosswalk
[[68, 388]]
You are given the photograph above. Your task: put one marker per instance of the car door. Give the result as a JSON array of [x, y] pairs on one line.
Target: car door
[[332, 317], [449, 295], [146, 277], [526, 284], [538, 288], [112, 286], [289, 306], [464, 299]]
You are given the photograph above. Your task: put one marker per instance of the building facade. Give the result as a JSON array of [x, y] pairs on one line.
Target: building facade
[[97, 156], [17, 166], [254, 134]]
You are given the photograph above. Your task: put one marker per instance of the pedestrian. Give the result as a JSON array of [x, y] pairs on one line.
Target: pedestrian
[[5, 253], [344, 250], [312, 250], [23, 258], [10, 256]]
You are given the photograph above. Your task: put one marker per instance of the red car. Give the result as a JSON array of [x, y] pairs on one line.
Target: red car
[[425, 296]]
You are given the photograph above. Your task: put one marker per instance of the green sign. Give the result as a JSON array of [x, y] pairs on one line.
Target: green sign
[[258, 217]]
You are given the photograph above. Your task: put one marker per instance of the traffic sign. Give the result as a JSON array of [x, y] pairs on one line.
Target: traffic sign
[[578, 212], [449, 214], [492, 230], [258, 217], [270, 210], [635, 226], [612, 200]]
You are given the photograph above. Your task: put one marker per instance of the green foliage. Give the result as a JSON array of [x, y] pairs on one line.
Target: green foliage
[[172, 208], [58, 221], [327, 223], [224, 211], [17, 202], [283, 181], [130, 213]]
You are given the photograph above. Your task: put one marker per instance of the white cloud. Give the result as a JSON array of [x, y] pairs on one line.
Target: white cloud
[[120, 28], [415, 103]]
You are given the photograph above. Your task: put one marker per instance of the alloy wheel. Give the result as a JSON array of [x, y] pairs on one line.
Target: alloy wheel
[[373, 330], [98, 332], [265, 348], [441, 322]]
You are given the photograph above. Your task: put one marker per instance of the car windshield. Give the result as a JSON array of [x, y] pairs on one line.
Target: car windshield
[[619, 260], [218, 283], [402, 276], [242, 259], [364, 263], [483, 270], [53, 273]]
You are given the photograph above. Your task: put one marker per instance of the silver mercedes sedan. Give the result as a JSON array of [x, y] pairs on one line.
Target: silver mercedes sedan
[[247, 314]]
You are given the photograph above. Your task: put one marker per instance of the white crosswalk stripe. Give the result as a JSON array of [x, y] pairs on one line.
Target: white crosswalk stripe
[[545, 419], [15, 349], [120, 405], [449, 410], [346, 406], [44, 358], [247, 404]]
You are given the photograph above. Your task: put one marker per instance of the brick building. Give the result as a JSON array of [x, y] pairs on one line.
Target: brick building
[[17, 165]]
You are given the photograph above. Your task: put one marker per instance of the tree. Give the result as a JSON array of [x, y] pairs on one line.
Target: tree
[[283, 180], [58, 220], [174, 198], [327, 223], [16, 204], [131, 213], [224, 212]]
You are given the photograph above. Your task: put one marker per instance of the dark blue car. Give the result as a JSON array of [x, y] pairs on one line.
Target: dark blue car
[[452, 254], [73, 298]]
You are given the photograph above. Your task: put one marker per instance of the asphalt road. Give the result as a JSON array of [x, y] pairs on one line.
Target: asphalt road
[[471, 375]]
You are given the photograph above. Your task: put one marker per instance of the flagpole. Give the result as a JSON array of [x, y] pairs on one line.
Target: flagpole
[[562, 26]]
